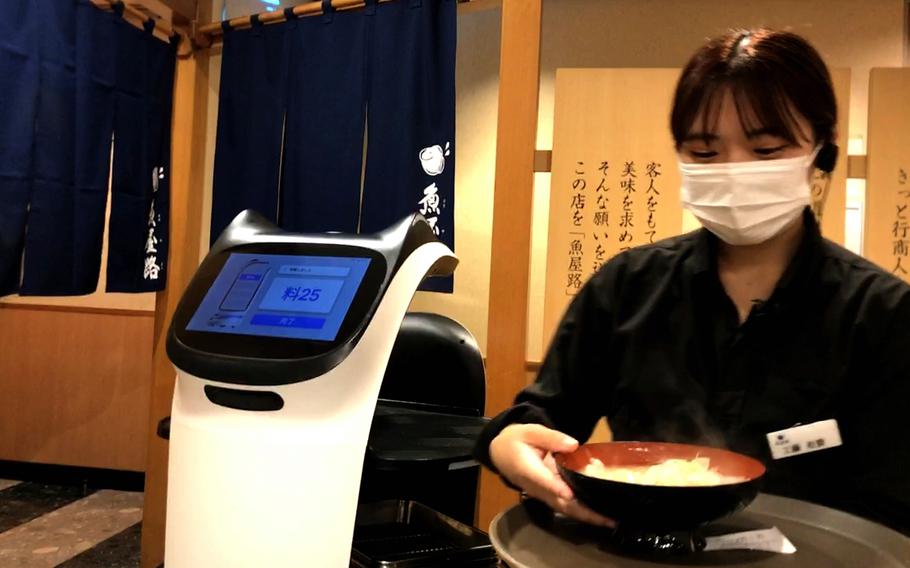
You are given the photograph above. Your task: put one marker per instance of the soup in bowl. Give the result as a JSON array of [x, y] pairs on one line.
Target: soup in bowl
[[660, 486]]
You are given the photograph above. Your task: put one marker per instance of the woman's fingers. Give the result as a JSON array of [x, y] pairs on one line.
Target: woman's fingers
[[570, 508], [518, 453], [550, 462], [537, 479], [548, 439], [576, 510], [523, 453]]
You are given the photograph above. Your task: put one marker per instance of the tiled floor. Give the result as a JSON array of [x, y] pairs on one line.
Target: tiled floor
[[43, 526]]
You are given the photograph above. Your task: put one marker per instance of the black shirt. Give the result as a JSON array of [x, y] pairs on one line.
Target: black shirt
[[653, 343]]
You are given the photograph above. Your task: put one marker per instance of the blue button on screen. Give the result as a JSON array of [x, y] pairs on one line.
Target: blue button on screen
[[288, 321]]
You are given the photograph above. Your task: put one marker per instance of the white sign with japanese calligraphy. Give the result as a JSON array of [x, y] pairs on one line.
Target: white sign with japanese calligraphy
[[152, 267], [886, 234], [614, 182], [433, 161]]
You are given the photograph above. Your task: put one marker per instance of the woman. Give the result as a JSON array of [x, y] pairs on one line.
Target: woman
[[751, 326]]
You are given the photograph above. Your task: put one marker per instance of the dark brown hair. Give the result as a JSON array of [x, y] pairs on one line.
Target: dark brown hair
[[771, 75]]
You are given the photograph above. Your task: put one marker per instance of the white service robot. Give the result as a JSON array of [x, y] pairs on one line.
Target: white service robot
[[280, 343]]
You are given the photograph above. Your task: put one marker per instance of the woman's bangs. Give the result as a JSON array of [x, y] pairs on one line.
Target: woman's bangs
[[762, 108]]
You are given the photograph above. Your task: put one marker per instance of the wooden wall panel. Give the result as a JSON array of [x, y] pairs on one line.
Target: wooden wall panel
[[886, 239], [615, 183], [74, 386]]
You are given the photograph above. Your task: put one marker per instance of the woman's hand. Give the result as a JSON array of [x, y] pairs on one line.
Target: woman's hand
[[523, 454]]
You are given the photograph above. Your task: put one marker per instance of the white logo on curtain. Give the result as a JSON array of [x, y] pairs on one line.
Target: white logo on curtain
[[151, 269], [429, 206], [433, 161]]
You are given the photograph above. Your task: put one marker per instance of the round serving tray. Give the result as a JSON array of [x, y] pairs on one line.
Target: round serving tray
[[824, 538]]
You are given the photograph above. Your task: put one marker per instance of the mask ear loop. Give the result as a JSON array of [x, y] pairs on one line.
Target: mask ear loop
[[824, 161]]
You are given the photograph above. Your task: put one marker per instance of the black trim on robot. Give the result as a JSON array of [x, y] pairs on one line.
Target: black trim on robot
[[237, 399], [269, 361]]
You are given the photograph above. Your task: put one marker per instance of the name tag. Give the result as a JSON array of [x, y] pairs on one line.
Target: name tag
[[804, 439]]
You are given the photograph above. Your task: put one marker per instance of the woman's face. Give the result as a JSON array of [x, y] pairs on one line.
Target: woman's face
[[729, 142]]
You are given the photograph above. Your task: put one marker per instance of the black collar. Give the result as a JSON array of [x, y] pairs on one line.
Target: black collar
[[802, 272]]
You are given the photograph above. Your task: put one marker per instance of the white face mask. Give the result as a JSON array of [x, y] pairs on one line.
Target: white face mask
[[746, 203]]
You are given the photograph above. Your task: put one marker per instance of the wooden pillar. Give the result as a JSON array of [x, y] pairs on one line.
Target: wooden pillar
[[519, 78], [187, 166]]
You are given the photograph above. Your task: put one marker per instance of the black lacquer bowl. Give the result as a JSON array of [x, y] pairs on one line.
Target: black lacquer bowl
[[660, 509]]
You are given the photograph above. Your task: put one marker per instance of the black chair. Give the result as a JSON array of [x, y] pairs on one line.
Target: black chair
[[432, 343], [429, 414]]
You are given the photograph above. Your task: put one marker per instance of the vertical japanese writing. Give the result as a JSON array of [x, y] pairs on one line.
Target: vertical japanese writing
[[627, 185], [602, 221], [601, 217], [576, 254], [578, 195], [653, 193], [429, 206], [901, 228], [577, 236], [151, 268]]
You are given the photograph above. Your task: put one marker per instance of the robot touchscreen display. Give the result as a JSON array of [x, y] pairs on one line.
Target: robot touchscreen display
[[287, 296]]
